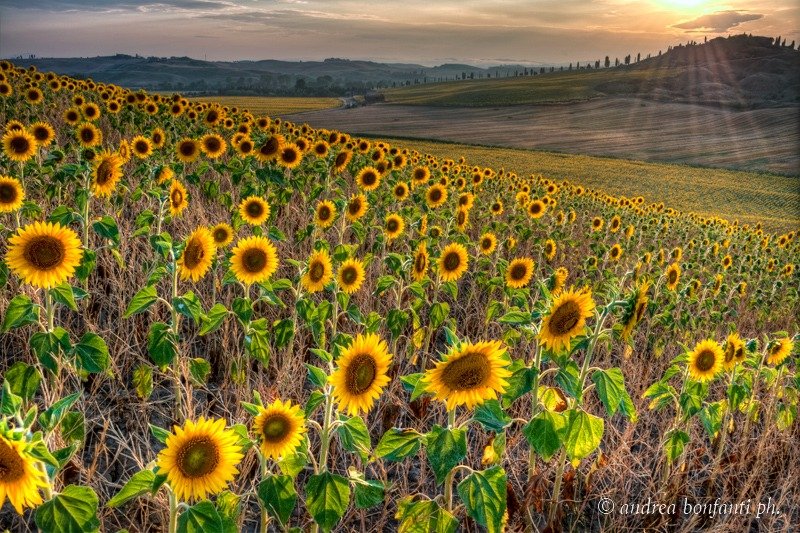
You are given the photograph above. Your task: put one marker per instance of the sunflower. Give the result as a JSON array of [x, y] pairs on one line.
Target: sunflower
[[734, 351], [779, 350], [72, 116], [394, 226], [200, 458], [254, 260], [597, 224], [453, 262], [420, 175], [706, 360], [141, 146], [350, 275], [187, 150], [462, 219], [254, 210], [469, 374], [361, 374], [673, 276], [356, 207], [400, 191], [213, 145], [727, 261], [320, 148], [89, 135], [557, 280], [43, 133], [488, 243], [290, 156], [615, 253], [420, 266], [20, 479], [635, 309], [197, 255], [12, 194], [158, 137], [496, 208], [550, 249], [124, 151], [368, 178], [566, 318], [436, 196], [279, 428], [19, 145], [325, 213], [222, 234], [91, 111], [44, 254], [519, 272], [164, 174], [178, 200], [342, 159], [106, 172], [319, 272], [536, 209]]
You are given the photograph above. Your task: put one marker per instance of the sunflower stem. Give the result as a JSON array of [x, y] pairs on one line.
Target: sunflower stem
[[47, 489], [173, 512], [50, 310], [557, 487], [175, 330]]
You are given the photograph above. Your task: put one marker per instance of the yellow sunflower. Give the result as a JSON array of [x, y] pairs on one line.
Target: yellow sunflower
[[43, 133], [361, 374], [734, 351], [341, 160], [197, 255], [187, 150], [536, 209], [213, 145], [400, 191], [164, 175], [12, 195], [368, 178], [436, 196], [420, 266], [496, 208], [20, 479], [319, 272], [615, 253], [254, 260], [356, 207], [254, 210], [350, 275], [673, 276], [44, 254], [558, 280], [279, 428], [779, 350], [453, 262], [706, 360], [141, 147], [566, 318], [519, 272], [89, 135], [106, 172], [325, 213], [469, 375], [222, 234], [19, 145], [488, 243], [394, 226], [290, 156], [178, 200], [200, 458]]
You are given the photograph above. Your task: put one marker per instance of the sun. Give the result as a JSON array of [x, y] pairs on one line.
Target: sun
[[682, 4]]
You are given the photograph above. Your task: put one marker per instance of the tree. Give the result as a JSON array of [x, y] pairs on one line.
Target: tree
[[628, 59], [607, 62], [616, 62], [597, 64], [638, 57]]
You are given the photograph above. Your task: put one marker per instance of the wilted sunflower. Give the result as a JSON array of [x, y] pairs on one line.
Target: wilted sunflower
[[12, 195], [453, 262], [197, 255], [469, 375], [290, 156], [89, 135], [356, 207], [44, 254], [106, 172], [635, 308], [350, 275], [141, 147], [550, 249], [488, 243], [43, 133], [187, 150], [213, 145], [20, 479], [420, 266], [254, 210], [222, 234], [178, 200], [318, 273], [519, 272], [706, 360], [325, 214], [19, 145], [279, 428], [200, 458], [673, 276], [779, 350], [394, 226], [361, 374], [254, 260], [566, 318], [436, 196], [734, 351], [368, 178]]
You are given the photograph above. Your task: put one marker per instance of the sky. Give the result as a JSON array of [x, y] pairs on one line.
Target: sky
[[429, 32]]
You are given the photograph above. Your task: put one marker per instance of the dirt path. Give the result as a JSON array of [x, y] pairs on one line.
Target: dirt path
[[756, 140]]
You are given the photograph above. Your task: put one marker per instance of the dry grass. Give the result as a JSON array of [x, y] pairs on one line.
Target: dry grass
[[273, 106]]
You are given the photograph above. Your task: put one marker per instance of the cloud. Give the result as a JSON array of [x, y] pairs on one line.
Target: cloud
[[718, 22], [112, 5]]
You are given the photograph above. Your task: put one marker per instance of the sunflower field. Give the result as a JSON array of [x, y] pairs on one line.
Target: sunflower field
[[214, 321]]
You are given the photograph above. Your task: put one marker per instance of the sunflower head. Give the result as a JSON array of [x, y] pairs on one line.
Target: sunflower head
[[394, 226], [12, 195], [178, 198], [254, 260], [734, 351], [325, 214], [44, 254], [43, 133], [279, 428], [453, 262], [420, 265], [222, 234], [197, 255], [673, 276], [436, 196], [254, 210], [488, 243], [106, 172], [368, 178], [566, 318], [19, 145], [187, 150], [318, 273], [213, 145], [356, 207], [778, 350], [361, 374], [706, 360], [290, 156], [89, 135], [20, 479], [351, 275], [536, 209], [141, 146], [550, 249]]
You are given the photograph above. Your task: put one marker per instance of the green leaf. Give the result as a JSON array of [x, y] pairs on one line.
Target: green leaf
[[92, 354], [660, 394], [256, 341], [316, 375], [140, 483], [520, 382], [327, 498], [545, 432], [583, 435], [354, 436], [397, 444], [73, 427], [74, 510], [21, 311], [106, 227], [367, 492], [691, 399], [445, 449], [141, 301], [278, 496], [491, 416], [383, 284], [712, 416], [10, 403], [315, 399], [143, 381], [294, 463], [200, 518], [284, 332], [674, 444], [189, 305], [63, 294], [424, 516], [439, 313], [610, 387], [199, 369], [413, 383], [243, 308], [52, 416], [47, 346], [484, 496], [515, 318], [160, 434], [24, 380], [161, 344], [396, 321], [213, 319]]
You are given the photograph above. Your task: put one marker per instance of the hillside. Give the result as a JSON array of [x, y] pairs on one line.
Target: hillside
[[740, 71]]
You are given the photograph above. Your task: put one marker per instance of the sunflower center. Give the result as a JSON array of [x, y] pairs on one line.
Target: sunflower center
[[341, 159], [193, 254], [369, 178], [324, 212], [392, 225], [354, 207], [270, 147], [275, 428], [349, 275], [730, 351], [8, 193], [187, 148], [289, 156], [420, 262], [254, 209], [564, 318], [176, 197], [486, 244], [452, 261], [254, 260], [104, 172], [20, 145], [705, 360], [142, 147], [40, 133], [316, 271], [535, 208], [467, 372], [518, 271], [44, 252], [462, 217], [87, 135], [198, 457], [12, 467], [673, 276], [221, 235], [435, 195], [212, 144], [361, 373]]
